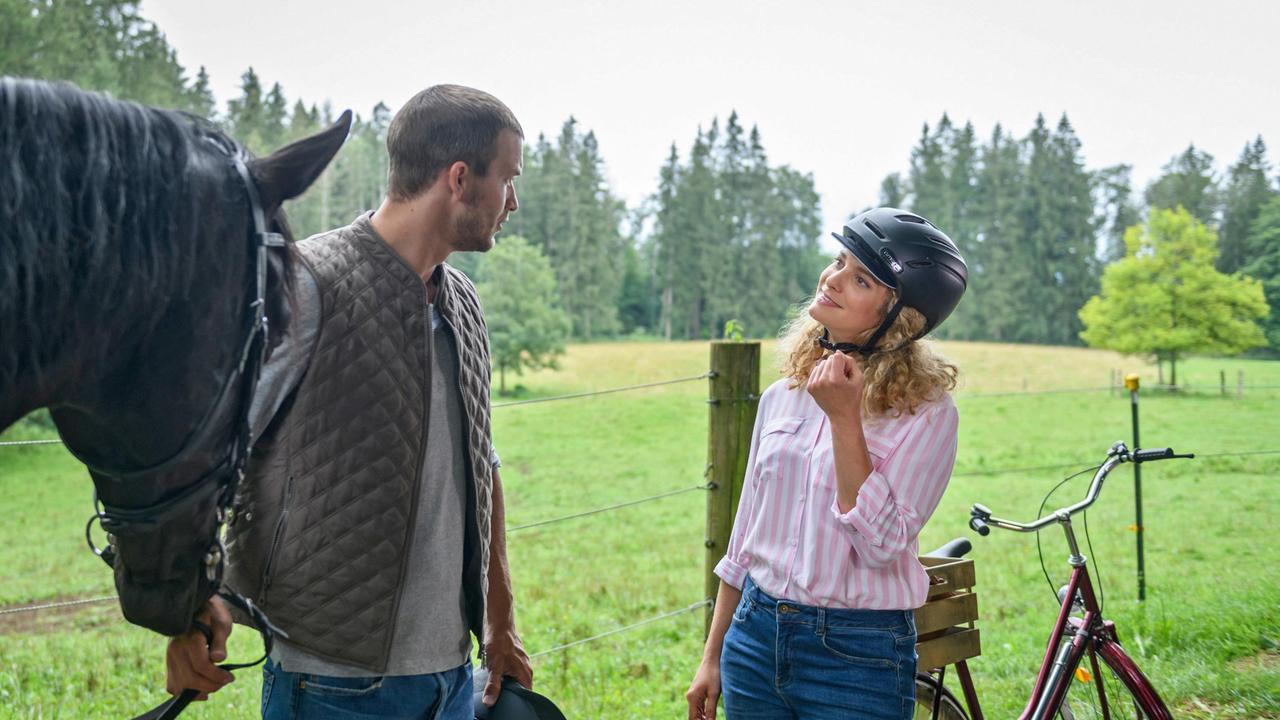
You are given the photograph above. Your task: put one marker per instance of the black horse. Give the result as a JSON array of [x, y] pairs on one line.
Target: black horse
[[128, 260]]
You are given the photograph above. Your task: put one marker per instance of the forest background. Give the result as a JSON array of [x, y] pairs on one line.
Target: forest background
[[726, 234]]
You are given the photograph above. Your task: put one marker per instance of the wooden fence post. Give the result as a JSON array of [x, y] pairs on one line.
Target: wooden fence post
[[1239, 383], [735, 394], [1222, 380]]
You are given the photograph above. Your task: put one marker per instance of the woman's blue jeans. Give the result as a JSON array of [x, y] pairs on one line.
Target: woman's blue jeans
[[789, 661], [298, 696]]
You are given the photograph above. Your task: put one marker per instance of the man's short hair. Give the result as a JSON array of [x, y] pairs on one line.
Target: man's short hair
[[442, 125]]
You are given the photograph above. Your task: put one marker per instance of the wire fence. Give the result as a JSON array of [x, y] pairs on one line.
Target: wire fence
[[1198, 389], [609, 391], [673, 493], [607, 508], [673, 613], [20, 443], [56, 605]]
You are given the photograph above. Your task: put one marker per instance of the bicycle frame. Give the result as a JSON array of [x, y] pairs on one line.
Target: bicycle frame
[[1073, 637], [1070, 640]]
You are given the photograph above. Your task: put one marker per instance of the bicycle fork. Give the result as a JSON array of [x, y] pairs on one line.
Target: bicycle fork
[[1064, 666], [1063, 656]]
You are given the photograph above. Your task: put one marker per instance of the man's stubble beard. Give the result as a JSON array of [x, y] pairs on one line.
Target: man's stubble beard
[[474, 231]]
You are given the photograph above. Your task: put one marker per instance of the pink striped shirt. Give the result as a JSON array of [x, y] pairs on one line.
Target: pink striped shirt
[[790, 535]]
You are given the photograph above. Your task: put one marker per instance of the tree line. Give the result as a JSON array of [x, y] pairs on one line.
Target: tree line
[[726, 235], [1038, 228]]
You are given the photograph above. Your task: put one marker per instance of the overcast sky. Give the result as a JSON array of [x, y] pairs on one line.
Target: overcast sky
[[838, 89]]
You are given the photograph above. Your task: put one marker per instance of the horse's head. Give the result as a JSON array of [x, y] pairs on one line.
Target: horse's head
[[156, 408]]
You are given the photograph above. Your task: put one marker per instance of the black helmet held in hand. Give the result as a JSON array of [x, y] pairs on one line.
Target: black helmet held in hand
[[911, 255], [516, 702]]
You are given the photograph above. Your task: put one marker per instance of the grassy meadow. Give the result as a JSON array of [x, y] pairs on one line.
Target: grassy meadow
[[1207, 634]]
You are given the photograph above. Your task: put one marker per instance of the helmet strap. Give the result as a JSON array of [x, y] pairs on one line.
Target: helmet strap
[[869, 347]]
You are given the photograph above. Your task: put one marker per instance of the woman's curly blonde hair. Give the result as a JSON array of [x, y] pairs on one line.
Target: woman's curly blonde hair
[[897, 381]]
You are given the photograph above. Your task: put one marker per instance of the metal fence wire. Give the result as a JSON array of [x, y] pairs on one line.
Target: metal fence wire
[[652, 498]]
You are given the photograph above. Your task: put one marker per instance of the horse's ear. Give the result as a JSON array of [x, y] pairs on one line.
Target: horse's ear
[[288, 172]]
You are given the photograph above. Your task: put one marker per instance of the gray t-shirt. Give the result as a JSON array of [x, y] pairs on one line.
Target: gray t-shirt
[[431, 630]]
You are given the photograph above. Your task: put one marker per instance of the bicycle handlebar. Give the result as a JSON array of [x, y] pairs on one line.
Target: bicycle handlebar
[[981, 520]]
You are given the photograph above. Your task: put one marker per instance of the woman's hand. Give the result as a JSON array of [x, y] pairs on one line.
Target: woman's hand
[[836, 384], [704, 693]]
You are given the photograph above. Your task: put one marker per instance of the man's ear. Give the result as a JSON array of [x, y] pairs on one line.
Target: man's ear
[[458, 175], [288, 172]]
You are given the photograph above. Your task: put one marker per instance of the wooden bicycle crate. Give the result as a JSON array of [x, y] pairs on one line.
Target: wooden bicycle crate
[[944, 625]]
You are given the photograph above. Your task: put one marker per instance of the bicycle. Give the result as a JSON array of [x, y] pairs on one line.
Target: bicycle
[[1085, 673]]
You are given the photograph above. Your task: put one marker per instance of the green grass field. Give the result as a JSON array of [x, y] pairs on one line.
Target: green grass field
[[1207, 634]]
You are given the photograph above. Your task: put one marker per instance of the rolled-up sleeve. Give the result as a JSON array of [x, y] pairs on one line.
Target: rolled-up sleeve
[[900, 495], [732, 568]]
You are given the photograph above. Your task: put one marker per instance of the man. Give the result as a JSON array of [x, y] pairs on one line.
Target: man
[[371, 528]]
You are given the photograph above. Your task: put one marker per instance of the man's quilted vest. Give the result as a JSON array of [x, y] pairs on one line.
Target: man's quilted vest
[[330, 504]]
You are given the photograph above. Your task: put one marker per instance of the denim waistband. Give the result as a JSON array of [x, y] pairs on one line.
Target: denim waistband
[[902, 621]]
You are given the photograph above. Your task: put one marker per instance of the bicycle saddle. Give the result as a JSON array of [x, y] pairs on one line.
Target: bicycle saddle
[[955, 549]]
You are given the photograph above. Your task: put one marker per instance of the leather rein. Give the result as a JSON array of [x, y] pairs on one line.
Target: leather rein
[[225, 477]]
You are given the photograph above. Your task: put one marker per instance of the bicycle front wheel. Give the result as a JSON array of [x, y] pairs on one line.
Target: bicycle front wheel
[[1108, 685], [927, 689]]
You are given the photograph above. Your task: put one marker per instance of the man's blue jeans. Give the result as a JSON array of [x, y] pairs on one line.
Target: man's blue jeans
[[789, 661], [298, 696]]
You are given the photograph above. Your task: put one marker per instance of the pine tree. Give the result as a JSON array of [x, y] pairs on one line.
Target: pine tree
[[275, 117], [305, 213], [1263, 252], [1002, 269], [536, 188], [1115, 210], [960, 219], [245, 113], [1188, 181], [1072, 249], [101, 45], [893, 193], [1034, 281], [667, 238], [147, 67], [701, 235], [761, 260], [600, 246], [734, 238], [1247, 190], [569, 212], [928, 176], [199, 97]]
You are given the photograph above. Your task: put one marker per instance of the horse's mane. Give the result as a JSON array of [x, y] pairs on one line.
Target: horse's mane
[[98, 213]]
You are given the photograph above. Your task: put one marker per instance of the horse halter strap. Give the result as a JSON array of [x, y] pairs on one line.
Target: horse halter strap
[[225, 477]]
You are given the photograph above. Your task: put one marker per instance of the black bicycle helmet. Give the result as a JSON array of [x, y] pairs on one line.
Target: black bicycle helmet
[[911, 255], [515, 702]]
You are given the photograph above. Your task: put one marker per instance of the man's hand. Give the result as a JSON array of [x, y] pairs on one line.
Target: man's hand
[[505, 655], [190, 661]]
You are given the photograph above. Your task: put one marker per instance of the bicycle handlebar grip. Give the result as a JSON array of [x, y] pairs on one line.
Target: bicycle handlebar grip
[[1152, 454], [979, 526]]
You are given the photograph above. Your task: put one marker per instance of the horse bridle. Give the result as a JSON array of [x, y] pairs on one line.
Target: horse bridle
[[225, 477]]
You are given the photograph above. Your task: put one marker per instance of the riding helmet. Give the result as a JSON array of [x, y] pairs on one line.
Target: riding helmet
[[911, 255], [515, 702]]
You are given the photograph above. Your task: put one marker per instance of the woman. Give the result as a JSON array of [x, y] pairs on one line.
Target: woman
[[851, 452]]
